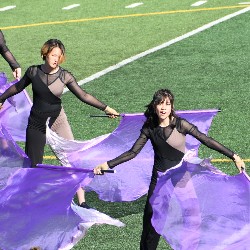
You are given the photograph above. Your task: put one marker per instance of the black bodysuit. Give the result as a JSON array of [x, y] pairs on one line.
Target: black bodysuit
[[169, 148], [47, 90], [6, 54], [169, 144]]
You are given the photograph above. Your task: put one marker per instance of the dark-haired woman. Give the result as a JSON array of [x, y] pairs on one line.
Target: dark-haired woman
[[167, 133], [8, 56], [48, 81]]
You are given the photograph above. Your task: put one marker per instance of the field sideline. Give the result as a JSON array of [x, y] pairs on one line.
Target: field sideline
[[123, 16]]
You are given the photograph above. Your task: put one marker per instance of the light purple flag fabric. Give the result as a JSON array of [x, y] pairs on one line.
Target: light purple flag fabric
[[132, 178], [15, 112], [196, 206], [12, 156], [36, 208]]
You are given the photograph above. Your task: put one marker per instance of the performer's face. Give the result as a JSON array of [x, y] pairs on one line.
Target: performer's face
[[163, 109], [53, 58]]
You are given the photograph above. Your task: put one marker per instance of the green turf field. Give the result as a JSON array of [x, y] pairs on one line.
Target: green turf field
[[207, 70]]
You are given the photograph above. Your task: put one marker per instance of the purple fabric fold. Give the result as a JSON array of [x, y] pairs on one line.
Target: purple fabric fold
[[36, 208], [12, 156], [196, 206], [15, 112], [122, 185]]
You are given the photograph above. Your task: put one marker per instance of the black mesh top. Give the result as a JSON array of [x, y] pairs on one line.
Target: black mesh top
[[169, 144], [6, 54], [41, 81]]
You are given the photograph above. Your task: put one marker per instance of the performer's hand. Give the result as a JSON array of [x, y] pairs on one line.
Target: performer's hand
[[17, 73], [111, 112], [239, 163], [103, 166], [1, 105]]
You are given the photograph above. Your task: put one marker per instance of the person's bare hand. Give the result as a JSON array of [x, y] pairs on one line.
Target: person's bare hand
[[99, 168], [239, 163], [17, 73], [111, 112]]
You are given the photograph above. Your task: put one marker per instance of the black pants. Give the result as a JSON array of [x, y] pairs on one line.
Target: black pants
[[36, 134], [34, 146], [149, 238]]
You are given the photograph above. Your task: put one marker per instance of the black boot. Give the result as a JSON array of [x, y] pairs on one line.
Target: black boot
[[85, 205]]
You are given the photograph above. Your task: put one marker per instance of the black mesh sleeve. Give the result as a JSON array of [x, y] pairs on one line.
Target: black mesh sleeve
[[73, 86], [189, 128], [16, 88], [130, 154], [6, 54]]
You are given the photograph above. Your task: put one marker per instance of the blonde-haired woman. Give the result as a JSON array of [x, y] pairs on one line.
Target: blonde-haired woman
[[48, 81]]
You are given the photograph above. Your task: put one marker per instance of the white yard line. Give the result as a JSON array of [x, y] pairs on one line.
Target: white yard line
[[244, 3], [162, 46], [7, 8], [133, 5], [199, 3], [71, 6]]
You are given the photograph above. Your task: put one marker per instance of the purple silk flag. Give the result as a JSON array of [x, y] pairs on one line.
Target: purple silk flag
[[122, 186], [36, 208], [15, 112], [196, 206], [12, 156]]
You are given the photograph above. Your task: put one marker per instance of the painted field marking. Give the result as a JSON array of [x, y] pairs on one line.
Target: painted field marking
[[164, 45], [7, 8], [198, 3], [71, 6], [51, 157], [133, 5], [226, 160], [119, 17], [245, 3]]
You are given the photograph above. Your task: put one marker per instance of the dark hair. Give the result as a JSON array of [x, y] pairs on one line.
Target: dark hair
[[152, 119], [51, 44]]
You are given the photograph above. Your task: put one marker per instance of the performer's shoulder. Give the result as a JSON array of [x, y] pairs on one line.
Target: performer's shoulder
[[31, 70]]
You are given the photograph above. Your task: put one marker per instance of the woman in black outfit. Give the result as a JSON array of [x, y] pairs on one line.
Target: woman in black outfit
[[7, 55], [48, 81], [167, 133]]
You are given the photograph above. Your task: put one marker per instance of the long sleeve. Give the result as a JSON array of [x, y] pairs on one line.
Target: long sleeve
[[189, 128], [130, 154], [16, 88], [6, 54], [73, 86]]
